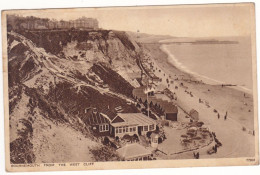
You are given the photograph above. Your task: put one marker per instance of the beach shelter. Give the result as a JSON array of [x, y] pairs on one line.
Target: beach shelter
[[194, 115], [134, 152]]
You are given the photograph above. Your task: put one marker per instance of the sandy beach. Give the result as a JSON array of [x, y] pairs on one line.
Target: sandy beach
[[237, 142]]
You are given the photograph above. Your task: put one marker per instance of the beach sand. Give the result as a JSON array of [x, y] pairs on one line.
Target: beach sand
[[236, 141]]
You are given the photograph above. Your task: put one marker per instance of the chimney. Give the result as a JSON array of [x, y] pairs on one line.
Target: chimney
[[94, 110], [87, 110]]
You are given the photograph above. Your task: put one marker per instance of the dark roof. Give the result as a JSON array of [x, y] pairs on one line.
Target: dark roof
[[139, 91], [193, 111], [111, 115], [169, 107], [92, 118]]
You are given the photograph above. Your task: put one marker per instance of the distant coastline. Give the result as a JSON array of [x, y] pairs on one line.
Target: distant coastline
[[202, 42], [171, 58], [197, 41]]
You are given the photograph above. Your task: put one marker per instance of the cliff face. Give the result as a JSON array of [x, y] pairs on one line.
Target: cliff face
[[115, 48], [53, 77], [113, 45]]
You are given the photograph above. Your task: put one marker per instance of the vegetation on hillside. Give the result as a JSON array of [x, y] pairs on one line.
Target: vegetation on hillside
[[116, 82], [104, 153]]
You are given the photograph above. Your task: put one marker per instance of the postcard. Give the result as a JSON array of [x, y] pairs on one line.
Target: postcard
[[130, 87]]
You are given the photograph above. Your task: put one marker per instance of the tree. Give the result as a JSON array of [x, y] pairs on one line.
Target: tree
[[106, 141], [151, 104], [148, 134], [135, 138], [104, 153], [117, 138], [127, 137], [138, 105], [145, 103]]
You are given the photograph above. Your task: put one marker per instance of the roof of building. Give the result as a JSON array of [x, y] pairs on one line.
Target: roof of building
[[108, 113], [139, 92], [134, 119], [169, 107], [134, 150], [154, 135], [193, 111], [93, 118]]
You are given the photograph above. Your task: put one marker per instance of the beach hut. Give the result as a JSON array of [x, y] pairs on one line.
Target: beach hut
[[194, 115], [170, 111]]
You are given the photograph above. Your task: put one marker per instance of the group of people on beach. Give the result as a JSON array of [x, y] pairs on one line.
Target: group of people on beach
[[196, 155], [225, 116]]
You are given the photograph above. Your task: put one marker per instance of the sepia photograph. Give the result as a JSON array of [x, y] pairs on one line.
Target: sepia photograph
[[130, 87]]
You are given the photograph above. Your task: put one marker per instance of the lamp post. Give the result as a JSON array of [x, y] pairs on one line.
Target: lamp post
[[146, 91]]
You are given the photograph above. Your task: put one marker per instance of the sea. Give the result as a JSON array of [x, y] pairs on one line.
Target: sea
[[225, 60]]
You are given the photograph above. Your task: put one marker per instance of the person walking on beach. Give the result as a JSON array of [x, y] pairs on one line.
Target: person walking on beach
[[225, 117], [218, 116]]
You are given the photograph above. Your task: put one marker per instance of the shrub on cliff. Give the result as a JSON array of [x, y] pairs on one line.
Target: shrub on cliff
[[122, 36], [104, 153], [21, 151], [116, 82]]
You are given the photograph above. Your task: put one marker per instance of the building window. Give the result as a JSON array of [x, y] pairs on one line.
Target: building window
[[120, 130], [131, 129], [123, 129], [116, 130], [145, 128], [103, 128], [151, 127], [134, 129], [126, 129]]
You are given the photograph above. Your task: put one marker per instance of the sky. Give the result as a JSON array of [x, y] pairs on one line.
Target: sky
[[180, 21]]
